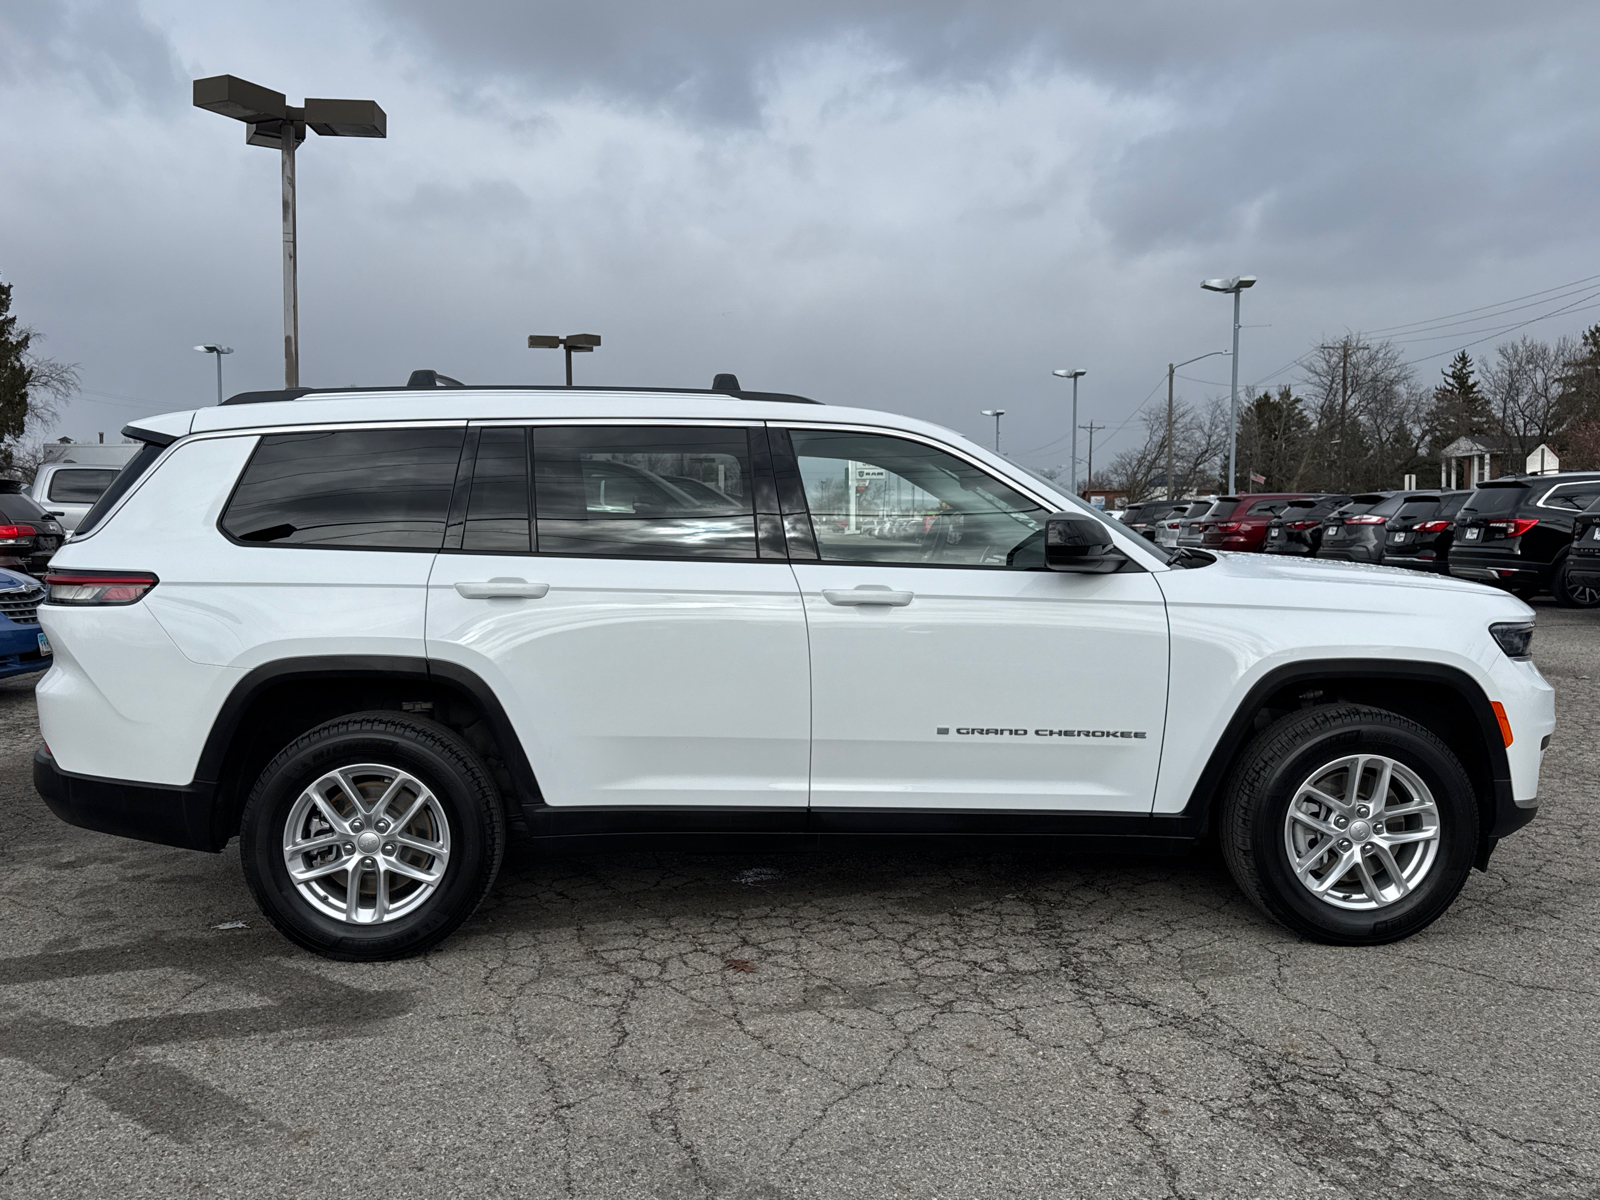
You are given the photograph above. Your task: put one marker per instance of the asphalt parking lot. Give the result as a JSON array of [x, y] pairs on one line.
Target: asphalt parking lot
[[916, 1025]]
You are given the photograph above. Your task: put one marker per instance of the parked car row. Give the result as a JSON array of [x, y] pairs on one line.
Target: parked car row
[[1527, 534]]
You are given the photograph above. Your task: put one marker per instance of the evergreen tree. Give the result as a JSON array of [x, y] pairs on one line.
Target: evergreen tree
[[16, 373], [1459, 408]]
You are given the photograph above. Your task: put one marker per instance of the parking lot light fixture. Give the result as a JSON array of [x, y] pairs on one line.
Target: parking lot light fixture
[[573, 343], [1234, 286], [1073, 374], [1172, 369], [996, 413], [271, 121], [219, 351]]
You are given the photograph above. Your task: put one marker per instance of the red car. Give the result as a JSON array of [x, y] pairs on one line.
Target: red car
[[1244, 526]]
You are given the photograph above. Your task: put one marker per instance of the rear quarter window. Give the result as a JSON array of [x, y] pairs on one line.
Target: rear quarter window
[[352, 489], [1492, 501]]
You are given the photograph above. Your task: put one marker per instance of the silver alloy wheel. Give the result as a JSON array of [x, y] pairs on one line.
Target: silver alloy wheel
[[367, 844], [1362, 832]]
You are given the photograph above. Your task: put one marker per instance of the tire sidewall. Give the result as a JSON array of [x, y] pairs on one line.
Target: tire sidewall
[[1288, 899], [473, 844]]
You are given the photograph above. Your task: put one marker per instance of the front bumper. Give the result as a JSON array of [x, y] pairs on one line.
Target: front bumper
[[19, 650], [148, 812]]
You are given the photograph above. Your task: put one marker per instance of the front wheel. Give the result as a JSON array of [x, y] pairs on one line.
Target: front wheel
[[1350, 825], [372, 837], [1569, 594]]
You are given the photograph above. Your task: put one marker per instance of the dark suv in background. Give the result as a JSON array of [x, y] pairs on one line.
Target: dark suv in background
[[1239, 523], [1354, 532], [1517, 532], [29, 536], [1298, 528], [1582, 568], [1420, 534]]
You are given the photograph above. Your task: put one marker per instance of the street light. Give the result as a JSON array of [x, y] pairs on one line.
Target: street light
[[1235, 285], [219, 351], [996, 413], [1171, 369], [1073, 375], [573, 343], [267, 117]]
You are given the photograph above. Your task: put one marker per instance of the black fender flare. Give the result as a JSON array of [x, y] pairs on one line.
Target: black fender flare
[[1503, 814]]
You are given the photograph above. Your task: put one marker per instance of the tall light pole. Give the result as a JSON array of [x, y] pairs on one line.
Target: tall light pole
[[1235, 285], [996, 413], [219, 351], [573, 343], [271, 121], [1171, 370], [1074, 375]]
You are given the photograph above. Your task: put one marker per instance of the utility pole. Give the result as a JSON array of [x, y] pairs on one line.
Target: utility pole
[[1171, 434], [996, 413], [1235, 285], [1344, 407], [1089, 474], [1074, 375]]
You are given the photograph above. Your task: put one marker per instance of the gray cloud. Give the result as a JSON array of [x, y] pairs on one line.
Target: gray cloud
[[106, 46]]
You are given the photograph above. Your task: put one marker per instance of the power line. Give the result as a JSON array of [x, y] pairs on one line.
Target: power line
[[1482, 308]]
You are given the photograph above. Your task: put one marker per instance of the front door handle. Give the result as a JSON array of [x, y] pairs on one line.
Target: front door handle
[[867, 593], [503, 589]]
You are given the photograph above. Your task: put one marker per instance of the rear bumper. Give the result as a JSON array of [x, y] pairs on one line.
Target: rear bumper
[[1417, 563], [148, 812]]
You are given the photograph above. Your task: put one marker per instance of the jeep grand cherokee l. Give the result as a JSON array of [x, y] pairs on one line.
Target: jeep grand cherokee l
[[369, 632]]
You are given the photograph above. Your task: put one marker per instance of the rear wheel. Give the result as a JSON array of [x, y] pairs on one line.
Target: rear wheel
[[372, 837], [1350, 825], [1571, 594]]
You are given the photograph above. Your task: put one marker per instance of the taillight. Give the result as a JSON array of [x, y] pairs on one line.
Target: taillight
[[1514, 526], [97, 587], [11, 534], [1365, 520], [1227, 526], [1304, 524], [1433, 526]]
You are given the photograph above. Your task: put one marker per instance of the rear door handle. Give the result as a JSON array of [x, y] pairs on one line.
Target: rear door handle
[[867, 594], [502, 589]]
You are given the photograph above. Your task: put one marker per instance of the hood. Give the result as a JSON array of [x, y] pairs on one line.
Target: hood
[[12, 581], [1321, 570]]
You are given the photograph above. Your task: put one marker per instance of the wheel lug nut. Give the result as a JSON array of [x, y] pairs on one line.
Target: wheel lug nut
[[357, 825], [388, 848], [1362, 810], [367, 862], [1341, 821], [1378, 828], [1344, 843], [382, 827], [349, 847]]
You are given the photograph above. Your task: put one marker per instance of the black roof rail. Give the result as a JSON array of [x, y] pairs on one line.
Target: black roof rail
[[453, 386]]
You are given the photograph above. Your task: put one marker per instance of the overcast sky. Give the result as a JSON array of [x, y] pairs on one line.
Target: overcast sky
[[920, 206]]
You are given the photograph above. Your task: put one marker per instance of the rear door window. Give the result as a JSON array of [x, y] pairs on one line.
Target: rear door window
[[353, 489], [644, 491], [1574, 497]]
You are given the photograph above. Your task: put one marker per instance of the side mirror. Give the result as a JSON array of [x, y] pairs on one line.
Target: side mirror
[[1080, 544]]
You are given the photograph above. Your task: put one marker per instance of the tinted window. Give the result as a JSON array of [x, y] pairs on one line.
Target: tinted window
[[1494, 500], [15, 507], [1573, 496], [877, 499], [1416, 508], [357, 489], [1268, 508], [80, 485], [497, 502], [1451, 505], [646, 491], [1361, 504]]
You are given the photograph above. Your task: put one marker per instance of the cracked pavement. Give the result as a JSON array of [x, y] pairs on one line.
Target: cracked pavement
[[905, 1024]]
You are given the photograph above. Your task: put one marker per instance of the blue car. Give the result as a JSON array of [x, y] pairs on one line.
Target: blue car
[[23, 648]]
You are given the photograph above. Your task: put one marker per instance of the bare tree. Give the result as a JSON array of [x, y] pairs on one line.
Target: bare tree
[[1367, 412], [1525, 388]]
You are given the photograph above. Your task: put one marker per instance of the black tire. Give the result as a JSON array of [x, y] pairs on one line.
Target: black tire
[[1573, 595], [465, 799], [1288, 754]]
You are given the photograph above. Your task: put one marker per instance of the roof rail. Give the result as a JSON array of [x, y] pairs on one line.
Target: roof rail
[[723, 385]]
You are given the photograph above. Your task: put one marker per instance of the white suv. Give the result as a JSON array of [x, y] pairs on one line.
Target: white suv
[[371, 632]]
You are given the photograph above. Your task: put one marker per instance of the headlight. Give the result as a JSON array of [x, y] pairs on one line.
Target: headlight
[[1515, 638]]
